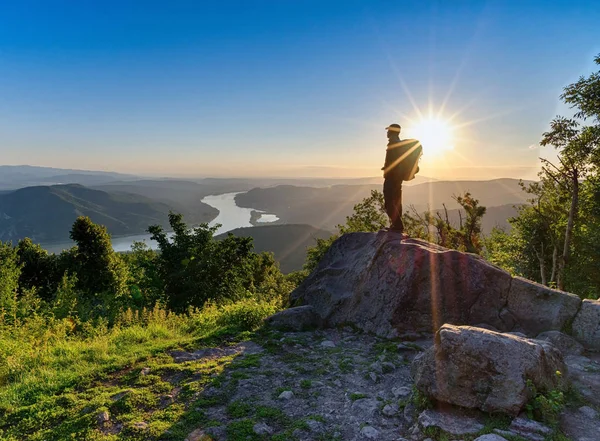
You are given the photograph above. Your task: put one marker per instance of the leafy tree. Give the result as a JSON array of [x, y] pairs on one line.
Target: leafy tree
[[100, 272], [39, 270], [195, 268], [145, 283], [555, 230], [436, 226], [368, 215]]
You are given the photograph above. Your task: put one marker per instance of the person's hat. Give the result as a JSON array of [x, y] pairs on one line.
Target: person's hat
[[393, 128]]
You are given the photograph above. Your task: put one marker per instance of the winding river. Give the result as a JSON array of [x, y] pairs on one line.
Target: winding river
[[230, 217]]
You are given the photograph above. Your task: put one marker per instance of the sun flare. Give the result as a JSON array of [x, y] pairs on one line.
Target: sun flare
[[436, 135]]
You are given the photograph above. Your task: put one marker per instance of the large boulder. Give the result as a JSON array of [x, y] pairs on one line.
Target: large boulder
[[391, 287], [394, 287], [300, 318], [586, 326], [564, 343], [538, 308], [476, 368]]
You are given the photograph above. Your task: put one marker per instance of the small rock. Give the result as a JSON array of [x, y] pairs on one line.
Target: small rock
[[167, 399], [262, 429], [505, 433], [490, 437], [369, 432], [406, 347], [388, 367], [450, 422], [118, 396], [373, 376], [145, 371], [401, 392], [376, 367], [390, 410], [410, 412], [589, 412], [140, 425], [327, 344], [315, 426], [364, 407], [300, 434], [103, 418], [198, 435], [286, 395], [529, 429], [337, 383]]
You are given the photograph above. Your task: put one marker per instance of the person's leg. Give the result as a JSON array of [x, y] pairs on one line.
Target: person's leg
[[397, 221], [392, 196]]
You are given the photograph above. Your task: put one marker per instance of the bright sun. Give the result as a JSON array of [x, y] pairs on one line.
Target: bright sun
[[435, 135]]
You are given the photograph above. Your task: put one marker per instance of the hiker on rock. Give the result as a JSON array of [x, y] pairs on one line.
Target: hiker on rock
[[401, 164]]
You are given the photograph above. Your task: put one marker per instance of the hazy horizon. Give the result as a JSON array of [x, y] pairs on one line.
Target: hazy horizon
[[480, 173], [285, 89]]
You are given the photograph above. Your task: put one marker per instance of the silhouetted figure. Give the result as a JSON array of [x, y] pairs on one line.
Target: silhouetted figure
[[401, 164]]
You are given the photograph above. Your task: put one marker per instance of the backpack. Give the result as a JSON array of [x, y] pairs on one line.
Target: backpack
[[415, 151], [402, 160]]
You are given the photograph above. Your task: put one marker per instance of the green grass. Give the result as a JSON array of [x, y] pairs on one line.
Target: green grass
[[55, 379], [357, 396]]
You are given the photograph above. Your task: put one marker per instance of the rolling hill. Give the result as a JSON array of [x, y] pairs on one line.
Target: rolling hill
[[46, 213], [326, 207], [288, 243]]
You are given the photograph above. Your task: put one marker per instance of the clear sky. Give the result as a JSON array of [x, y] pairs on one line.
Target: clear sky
[[282, 87]]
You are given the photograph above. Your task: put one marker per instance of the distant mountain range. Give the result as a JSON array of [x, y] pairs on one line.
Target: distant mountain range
[[327, 207], [46, 213], [288, 243], [19, 176]]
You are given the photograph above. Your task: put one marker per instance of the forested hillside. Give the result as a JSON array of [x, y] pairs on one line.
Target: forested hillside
[[45, 213], [288, 243]]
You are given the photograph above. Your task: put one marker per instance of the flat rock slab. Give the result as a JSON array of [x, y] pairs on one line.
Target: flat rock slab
[[451, 422], [529, 429], [580, 425], [584, 373], [246, 347]]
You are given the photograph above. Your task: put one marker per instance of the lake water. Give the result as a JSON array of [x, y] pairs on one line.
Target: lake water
[[230, 217]]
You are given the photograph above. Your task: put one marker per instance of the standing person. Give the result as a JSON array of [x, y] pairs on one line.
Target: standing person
[[401, 164]]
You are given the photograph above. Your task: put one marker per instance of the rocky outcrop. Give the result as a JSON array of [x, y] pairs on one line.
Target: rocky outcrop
[[538, 308], [395, 287], [586, 326], [476, 368]]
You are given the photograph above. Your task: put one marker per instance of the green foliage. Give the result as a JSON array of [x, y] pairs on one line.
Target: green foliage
[[545, 407], [420, 400], [554, 239], [101, 274], [9, 281], [369, 215], [195, 268]]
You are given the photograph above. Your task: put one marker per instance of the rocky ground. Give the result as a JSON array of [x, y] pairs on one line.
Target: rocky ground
[[336, 384]]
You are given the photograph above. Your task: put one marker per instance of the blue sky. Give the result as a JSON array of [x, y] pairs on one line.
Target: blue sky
[[246, 88]]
